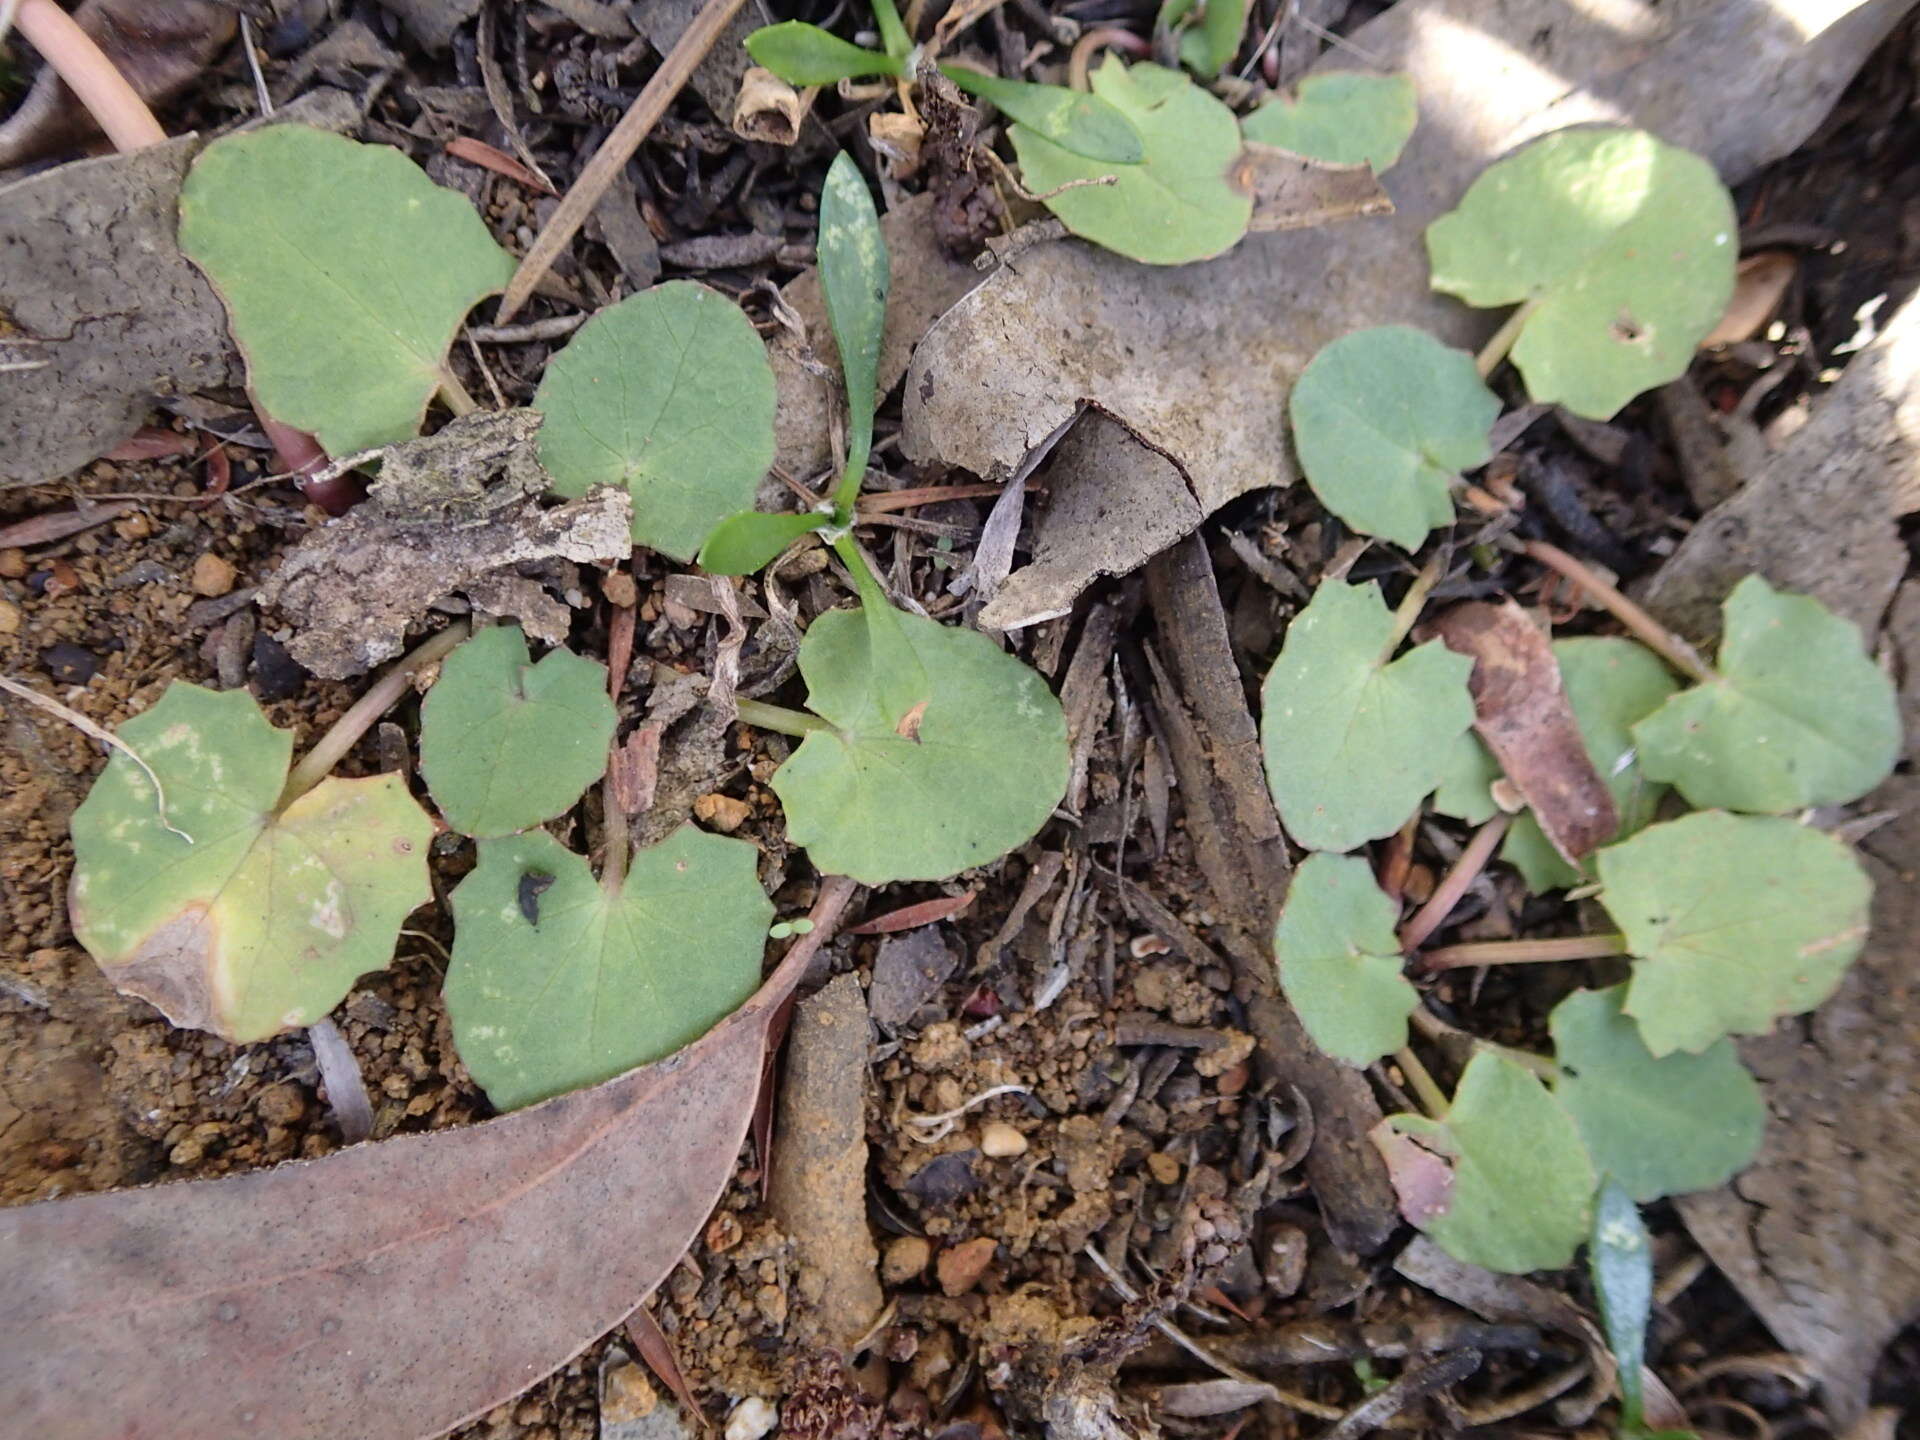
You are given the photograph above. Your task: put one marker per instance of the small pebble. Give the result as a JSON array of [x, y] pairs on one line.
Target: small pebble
[[752, 1418], [905, 1259], [70, 664], [212, 576], [9, 618], [961, 1267], [626, 1394], [999, 1140], [721, 812], [13, 564], [1165, 1168], [620, 590]]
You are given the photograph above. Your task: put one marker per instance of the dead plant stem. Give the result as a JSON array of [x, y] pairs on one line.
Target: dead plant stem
[[1432, 915], [105, 737], [1522, 952], [114, 104], [1649, 631]]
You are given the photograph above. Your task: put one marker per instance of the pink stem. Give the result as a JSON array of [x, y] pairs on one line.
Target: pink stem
[[120, 112], [1432, 915]]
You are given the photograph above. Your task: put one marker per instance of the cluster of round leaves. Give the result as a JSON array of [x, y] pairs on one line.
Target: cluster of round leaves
[[1734, 915]]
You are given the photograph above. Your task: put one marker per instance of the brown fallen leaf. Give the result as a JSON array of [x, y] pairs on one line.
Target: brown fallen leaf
[[391, 1291], [1292, 192], [657, 1351], [1759, 285], [1521, 710]]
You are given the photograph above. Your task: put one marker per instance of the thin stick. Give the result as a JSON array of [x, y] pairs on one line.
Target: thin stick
[[260, 93], [1649, 631], [1436, 1029], [1488, 360], [778, 718], [1522, 952], [114, 104], [1432, 1098], [1447, 894], [614, 152], [332, 747], [104, 736]]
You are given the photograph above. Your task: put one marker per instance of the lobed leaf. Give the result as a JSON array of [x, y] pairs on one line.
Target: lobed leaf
[[560, 983], [1797, 715], [1078, 122], [1179, 203], [265, 918], [1340, 960], [506, 743], [1736, 920], [1342, 117], [1658, 1127], [1353, 743], [803, 54], [346, 272], [1384, 421], [1518, 1186], [1622, 246], [669, 395]]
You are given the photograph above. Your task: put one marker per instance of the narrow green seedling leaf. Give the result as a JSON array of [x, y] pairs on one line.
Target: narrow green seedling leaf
[[893, 35], [558, 982], [743, 543], [1620, 1258], [263, 921], [1342, 117], [1384, 421], [346, 273], [1656, 1126], [854, 278], [1179, 203], [1736, 920], [1620, 246], [803, 54], [1503, 1181], [1340, 960], [1612, 684], [1077, 122], [669, 395], [975, 771], [1352, 742], [1798, 713], [505, 743]]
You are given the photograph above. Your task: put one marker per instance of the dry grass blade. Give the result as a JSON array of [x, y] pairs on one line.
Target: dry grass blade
[[651, 1342]]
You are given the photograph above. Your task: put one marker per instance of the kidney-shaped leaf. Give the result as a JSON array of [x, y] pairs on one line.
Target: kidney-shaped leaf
[[1352, 742], [1798, 714], [1736, 920], [1071, 119], [1343, 117], [1622, 247], [556, 983], [1659, 1127], [1385, 420], [264, 920], [669, 395], [1340, 960], [1179, 203], [506, 743], [978, 771], [1503, 1181], [346, 271]]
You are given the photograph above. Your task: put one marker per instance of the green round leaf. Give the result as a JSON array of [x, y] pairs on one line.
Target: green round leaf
[[346, 272], [1465, 790], [1072, 119], [506, 744], [1385, 420], [1623, 246], [1342, 117], [1736, 920], [984, 769], [803, 54], [1799, 714], [1353, 743], [1659, 1127], [557, 984], [1178, 204], [670, 395], [1340, 960], [1518, 1190], [263, 922]]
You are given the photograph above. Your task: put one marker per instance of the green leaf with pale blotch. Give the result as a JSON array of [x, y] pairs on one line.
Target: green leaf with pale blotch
[[1342, 117], [1178, 204], [803, 54], [981, 769], [264, 921], [1503, 1181], [741, 544], [1798, 715], [854, 279], [1736, 920], [1384, 421], [506, 743], [1353, 743], [1612, 685], [558, 983], [1465, 788], [1658, 1127], [669, 395], [1620, 1257], [1071, 119], [1340, 960], [346, 272], [1622, 245]]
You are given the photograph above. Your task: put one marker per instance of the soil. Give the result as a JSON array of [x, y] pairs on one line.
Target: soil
[[1135, 1097]]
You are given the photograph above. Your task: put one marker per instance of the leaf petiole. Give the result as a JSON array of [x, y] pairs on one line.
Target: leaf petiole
[[1425, 1089], [454, 395], [1407, 614], [779, 719], [1522, 952], [1495, 350], [1650, 632]]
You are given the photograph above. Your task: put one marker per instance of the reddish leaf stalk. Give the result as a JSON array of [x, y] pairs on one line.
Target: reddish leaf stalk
[[120, 112], [1432, 915]]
